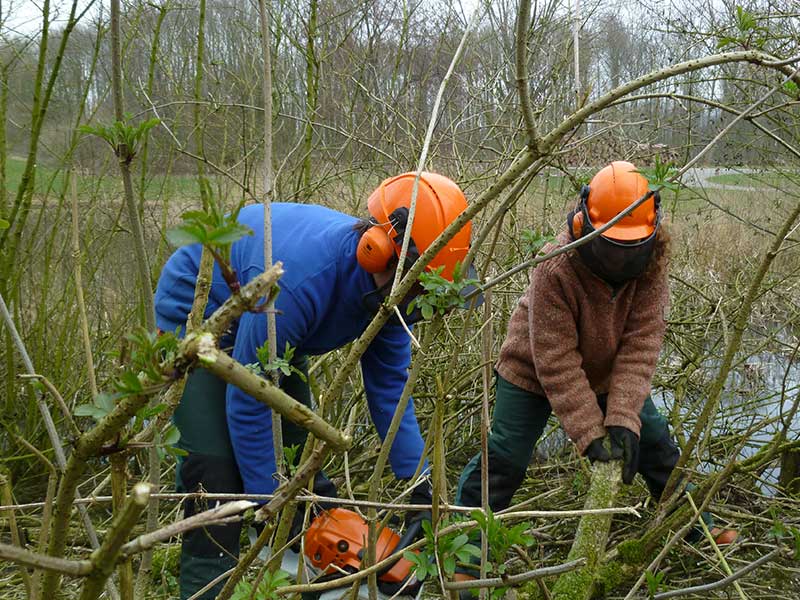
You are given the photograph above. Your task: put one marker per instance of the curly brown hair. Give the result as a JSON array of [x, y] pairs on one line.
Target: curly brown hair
[[659, 261]]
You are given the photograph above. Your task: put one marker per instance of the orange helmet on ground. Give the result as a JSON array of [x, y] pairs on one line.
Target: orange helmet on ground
[[439, 202], [611, 191]]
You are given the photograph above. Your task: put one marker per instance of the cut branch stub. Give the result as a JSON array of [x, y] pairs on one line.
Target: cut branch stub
[[105, 558]]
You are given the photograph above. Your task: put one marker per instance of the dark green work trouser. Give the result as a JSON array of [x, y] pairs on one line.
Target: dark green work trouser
[[518, 423], [210, 465]]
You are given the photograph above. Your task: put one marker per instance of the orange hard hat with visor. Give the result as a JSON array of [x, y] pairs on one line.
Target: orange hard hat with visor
[[622, 252]]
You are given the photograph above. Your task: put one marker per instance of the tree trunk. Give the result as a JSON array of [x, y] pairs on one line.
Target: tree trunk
[[790, 472]]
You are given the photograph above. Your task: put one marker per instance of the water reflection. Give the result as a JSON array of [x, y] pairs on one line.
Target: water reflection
[[762, 388]]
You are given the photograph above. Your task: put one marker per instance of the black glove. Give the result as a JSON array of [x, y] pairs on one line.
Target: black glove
[[422, 494], [625, 445], [597, 451]]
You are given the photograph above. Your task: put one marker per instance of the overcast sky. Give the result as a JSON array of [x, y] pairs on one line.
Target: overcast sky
[[26, 15]]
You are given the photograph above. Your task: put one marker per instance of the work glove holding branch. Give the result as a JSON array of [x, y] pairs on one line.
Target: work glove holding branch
[[625, 446], [597, 451]]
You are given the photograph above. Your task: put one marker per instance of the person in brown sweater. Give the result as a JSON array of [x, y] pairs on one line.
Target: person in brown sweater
[[583, 342]]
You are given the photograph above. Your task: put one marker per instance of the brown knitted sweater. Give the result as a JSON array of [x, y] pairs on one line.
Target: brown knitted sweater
[[573, 337]]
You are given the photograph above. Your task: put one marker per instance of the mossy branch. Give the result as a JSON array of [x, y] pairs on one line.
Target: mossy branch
[[592, 535]]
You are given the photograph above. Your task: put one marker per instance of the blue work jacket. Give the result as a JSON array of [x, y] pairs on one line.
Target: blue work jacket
[[319, 309]]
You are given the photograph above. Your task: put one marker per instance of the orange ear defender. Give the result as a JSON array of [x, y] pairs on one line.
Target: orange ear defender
[[375, 250], [575, 219], [576, 223]]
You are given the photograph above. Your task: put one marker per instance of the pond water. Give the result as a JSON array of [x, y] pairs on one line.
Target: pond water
[[760, 389], [763, 387]]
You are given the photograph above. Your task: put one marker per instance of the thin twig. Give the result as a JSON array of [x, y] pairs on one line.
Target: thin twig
[[515, 579], [732, 578], [21, 556], [76, 255], [5, 494], [57, 397], [264, 19], [407, 330], [202, 519], [716, 549], [486, 379], [47, 513], [427, 143], [394, 506], [521, 68]]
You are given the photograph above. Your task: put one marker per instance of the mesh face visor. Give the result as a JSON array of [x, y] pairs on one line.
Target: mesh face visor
[[615, 261]]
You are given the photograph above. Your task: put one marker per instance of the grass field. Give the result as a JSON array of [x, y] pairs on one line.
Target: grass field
[[759, 179], [50, 181]]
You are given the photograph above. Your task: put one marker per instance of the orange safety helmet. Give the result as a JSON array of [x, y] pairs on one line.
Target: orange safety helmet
[[612, 190], [439, 202], [624, 250]]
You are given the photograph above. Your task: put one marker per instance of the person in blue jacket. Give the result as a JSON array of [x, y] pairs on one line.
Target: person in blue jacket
[[337, 270]]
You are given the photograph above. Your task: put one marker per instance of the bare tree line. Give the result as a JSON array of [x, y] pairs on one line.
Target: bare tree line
[[365, 80]]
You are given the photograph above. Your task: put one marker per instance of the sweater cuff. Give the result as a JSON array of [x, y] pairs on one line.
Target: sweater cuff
[[597, 431], [622, 420]]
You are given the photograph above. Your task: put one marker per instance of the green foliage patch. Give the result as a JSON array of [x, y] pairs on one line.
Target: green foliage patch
[[266, 589], [440, 295], [124, 137]]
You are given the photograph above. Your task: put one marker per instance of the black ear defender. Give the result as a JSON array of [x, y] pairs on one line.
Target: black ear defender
[[399, 221]]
